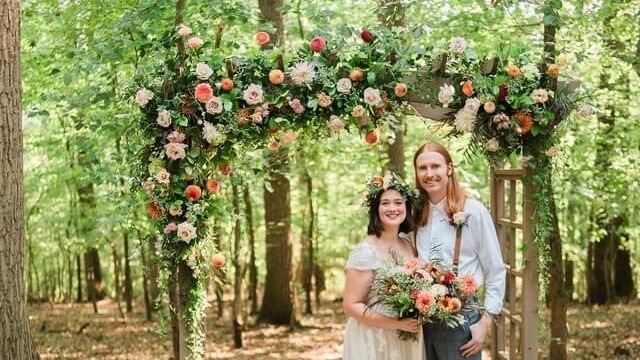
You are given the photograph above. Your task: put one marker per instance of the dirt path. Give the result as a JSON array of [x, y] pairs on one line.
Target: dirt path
[[599, 333]]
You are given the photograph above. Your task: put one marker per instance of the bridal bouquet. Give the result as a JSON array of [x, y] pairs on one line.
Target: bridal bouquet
[[428, 292]]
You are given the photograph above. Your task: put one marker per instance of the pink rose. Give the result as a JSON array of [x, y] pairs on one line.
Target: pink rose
[[317, 44], [195, 43]]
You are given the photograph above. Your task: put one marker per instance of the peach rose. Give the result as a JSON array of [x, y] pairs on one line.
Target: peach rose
[[489, 107], [356, 75], [513, 71], [553, 70], [218, 260], [276, 77], [400, 90]]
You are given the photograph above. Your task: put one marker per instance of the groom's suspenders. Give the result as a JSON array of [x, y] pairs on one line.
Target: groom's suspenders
[[456, 250]]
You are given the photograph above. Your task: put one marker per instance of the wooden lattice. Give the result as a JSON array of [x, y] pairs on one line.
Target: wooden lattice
[[515, 333]]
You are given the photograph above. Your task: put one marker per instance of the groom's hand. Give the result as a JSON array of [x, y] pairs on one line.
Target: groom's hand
[[478, 334]]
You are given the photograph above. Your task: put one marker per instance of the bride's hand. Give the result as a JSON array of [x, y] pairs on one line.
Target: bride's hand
[[410, 325]]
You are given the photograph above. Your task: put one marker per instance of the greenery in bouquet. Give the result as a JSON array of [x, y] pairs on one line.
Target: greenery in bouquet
[[428, 292]]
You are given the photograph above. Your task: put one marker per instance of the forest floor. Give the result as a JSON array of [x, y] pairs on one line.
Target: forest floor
[[595, 333]]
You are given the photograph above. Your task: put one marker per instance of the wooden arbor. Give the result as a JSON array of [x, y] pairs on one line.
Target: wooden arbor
[[515, 333]]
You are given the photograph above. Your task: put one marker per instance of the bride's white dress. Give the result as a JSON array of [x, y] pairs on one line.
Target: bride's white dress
[[363, 342]]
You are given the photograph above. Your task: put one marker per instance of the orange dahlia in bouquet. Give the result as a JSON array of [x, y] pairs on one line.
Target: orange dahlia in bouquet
[[426, 291]]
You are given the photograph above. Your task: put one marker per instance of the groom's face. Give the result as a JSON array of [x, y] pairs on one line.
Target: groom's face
[[433, 172]]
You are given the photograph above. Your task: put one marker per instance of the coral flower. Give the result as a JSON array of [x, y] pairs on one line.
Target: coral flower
[[204, 92], [425, 300], [262, 37], [378, 180], [525, 121], [226, 84], [355, 75], [467, 88], [371, 138], [193, 192], [553, 70], [225, 169], [213, 186], [467, 285], [154, 210]]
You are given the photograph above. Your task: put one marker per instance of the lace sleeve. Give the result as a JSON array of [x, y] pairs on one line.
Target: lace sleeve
[[363, 257]]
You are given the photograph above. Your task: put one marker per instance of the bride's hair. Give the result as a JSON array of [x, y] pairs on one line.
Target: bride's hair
[[455, 194]]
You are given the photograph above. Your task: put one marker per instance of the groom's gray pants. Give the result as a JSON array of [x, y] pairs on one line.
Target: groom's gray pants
[[443, 343]]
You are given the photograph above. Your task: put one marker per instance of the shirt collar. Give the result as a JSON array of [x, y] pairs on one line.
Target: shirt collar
[[441, 205]]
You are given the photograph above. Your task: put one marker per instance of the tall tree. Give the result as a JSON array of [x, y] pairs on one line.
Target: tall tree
[[15, 335], [279, 301], [393, 15]]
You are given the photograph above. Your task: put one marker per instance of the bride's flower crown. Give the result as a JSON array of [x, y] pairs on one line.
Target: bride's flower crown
[[378, 184]]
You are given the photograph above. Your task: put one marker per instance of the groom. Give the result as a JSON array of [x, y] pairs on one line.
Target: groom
[[474, 250]]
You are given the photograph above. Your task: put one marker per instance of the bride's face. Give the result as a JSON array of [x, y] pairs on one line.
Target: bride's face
[[392, 210]]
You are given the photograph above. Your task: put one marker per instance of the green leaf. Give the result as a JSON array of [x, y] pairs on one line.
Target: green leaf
[[67, 78], [183, 121], [371, 77]]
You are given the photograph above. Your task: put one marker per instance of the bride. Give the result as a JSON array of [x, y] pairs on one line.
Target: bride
[[370, 333]]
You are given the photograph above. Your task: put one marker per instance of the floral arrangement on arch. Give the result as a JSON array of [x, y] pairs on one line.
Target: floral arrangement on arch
[[508, 111], [200, 110]]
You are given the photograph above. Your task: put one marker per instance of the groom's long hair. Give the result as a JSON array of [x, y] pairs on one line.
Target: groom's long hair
[[455, 194]]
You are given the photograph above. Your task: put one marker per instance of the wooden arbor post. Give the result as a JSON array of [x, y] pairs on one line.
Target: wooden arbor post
[[515, 333]]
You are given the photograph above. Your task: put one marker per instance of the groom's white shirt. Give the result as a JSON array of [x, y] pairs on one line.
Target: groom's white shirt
[[480, 253]]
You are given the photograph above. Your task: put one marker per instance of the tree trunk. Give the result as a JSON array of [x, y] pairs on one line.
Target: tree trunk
[[236, 313], [148, 306], [279, 293], [128, 286], [393, 16], [116, 280], [219, 286], [16, 342], [569, 268], [279, 300], [69, 295], [79, 279], [623, 281], [91, 262], [558, 302], [253, 269], [307, 245]]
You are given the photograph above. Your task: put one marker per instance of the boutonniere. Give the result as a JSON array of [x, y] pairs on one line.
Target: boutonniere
[[459, 219]]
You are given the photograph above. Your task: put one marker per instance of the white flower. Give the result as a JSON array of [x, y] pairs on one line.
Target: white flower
[[163, 176], [539, 96], [492, 145], [344, 85], [584, 110], [459, 218], [472, 105], [211, 134], [445, 96], [552, 151], [458, 45], [214, 105], [335, 124], [164, 118], [465, 120], [372, 96], [253, 94], [302, 73], [203, 71], [193, 259], [438, 290], [175, 151], [186, 232], [388, 180], [148, 187], [143, 96], [256, 118]]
